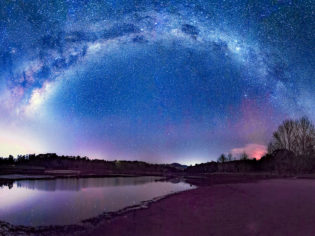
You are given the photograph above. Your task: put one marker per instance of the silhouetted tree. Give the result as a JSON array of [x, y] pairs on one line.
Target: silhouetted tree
[[297, 136], [11, 159], [305, 137], [229, 157], [284, 137], [222, 158], [244, 156]]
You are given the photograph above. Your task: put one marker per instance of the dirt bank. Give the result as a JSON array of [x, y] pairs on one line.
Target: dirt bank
[[267, 207], [223, 204]]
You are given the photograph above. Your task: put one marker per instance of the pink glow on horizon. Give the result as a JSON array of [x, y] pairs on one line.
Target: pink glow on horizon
[[252, 150]]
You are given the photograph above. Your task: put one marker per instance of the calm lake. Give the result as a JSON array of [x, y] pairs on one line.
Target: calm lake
[[69, 201]]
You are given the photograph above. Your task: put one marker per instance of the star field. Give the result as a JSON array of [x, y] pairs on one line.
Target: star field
[[160, 81]]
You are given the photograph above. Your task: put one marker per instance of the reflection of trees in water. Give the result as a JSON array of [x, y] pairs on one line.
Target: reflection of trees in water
[[76, 184]]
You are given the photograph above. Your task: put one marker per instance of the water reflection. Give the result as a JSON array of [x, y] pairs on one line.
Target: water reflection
[[76, 184], [69, 201]]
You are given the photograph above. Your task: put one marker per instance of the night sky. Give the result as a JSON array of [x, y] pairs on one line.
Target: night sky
[[158, 81]]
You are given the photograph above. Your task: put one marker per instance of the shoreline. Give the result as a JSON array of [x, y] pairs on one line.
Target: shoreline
[[7, 228], [276, 206], [89, 225]]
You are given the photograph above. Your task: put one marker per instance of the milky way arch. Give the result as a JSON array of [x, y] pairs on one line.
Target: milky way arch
[[157, 82]]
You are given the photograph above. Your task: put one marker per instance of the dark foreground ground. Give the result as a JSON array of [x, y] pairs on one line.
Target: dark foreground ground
[[267, 207], [223, 204]]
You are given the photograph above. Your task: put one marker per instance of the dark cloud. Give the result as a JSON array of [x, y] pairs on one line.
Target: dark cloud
[[190, 30], [44, 72], [120, 30], [219, 47], [139, 39], [79, 36]]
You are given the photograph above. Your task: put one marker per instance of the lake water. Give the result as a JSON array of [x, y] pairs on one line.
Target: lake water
[[69, 201]]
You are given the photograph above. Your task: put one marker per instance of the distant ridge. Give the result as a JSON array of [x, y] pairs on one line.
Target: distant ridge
[[178, 166]]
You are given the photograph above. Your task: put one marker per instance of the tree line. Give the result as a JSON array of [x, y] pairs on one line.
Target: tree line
[[51, 161], [297, 136], [295, 139], [291, 151]]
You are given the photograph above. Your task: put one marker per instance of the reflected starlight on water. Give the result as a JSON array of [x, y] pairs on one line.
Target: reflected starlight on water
[[69, 201]]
